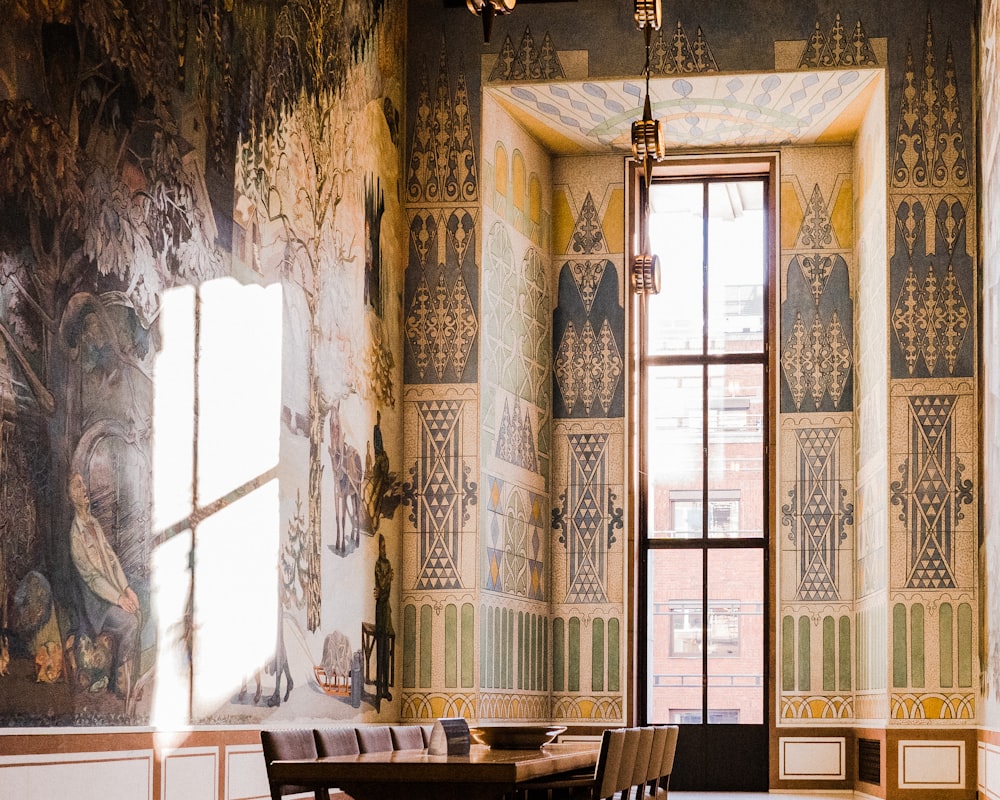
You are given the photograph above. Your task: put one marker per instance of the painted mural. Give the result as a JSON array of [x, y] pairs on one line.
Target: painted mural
[[152, 152]]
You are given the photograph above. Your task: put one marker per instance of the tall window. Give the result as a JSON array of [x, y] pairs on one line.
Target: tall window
[[703, 455]]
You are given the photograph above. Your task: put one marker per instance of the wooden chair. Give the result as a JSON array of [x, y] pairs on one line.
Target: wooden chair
[[600, 784], [662, 783], [283, 745], [407, 737], [374, 739], [336, 741]]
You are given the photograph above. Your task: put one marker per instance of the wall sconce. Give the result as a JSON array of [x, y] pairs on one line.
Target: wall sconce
[[646, 274], [487, 9]]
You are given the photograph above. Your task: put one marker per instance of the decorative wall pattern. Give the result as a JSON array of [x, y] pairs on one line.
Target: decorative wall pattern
[[817, 550], [679, 55], [528, 61], [442, 275], [931, 492], [589, 518], [838, 48], [818, 512], [588, 326], [441, 493], [989, 84]]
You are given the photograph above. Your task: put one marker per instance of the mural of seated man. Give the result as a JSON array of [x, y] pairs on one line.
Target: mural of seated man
[[111, 606]]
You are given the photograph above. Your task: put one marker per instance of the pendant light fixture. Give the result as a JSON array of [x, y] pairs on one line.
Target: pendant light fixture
[[487, 9], [647, 146], [647, 133]]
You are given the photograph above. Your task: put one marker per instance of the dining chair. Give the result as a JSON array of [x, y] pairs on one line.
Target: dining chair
[[600, 784], [660, 734], [374, 738], [640, 768], [425, 731], [283, 745], [662, 783], [630, 752], [407, 737], [342, 741]]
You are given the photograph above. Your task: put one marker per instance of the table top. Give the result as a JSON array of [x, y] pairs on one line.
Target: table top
[[482, 765]]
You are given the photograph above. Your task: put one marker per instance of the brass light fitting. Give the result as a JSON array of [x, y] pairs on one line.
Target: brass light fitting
[[488, 9]]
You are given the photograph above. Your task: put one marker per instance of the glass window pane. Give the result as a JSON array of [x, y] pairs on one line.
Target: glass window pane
[[736, 451], [735, 267], [735, 634], [674, 451], [674, 628], [674, 321]]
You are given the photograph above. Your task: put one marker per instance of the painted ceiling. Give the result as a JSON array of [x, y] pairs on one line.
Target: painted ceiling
[[704, 111]]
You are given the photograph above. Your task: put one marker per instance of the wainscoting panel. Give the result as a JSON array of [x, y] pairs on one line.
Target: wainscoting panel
[[121, 775], [190, 773], [931, 765], [812, 758], [246, 777], [989, 770]]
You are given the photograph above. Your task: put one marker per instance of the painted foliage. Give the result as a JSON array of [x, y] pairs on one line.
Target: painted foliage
[[152, 157]]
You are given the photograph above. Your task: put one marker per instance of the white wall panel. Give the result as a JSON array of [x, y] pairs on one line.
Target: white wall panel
[[812, 758], [121, 775], [246, 777], [190, 773], [931, 765]]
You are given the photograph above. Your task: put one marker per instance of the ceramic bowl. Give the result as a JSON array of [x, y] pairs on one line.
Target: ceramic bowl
[[515, 737]]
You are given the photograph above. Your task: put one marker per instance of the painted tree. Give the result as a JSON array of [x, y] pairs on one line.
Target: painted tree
[[102, 202], [295, 165]]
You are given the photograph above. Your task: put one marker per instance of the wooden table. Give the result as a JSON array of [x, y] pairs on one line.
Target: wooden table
[[484, 774]]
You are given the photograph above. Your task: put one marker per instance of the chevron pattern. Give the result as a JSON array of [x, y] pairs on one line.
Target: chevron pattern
[[817, 513], [932, 492], [441, 495]]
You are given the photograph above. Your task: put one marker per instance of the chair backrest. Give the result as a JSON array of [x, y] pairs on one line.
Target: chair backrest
[[284, 745], [341, 741], [667, 759], [656, 754], [630, 750], [641, 767], [374, 739], [425, 731], [407, 737], [609, 762]]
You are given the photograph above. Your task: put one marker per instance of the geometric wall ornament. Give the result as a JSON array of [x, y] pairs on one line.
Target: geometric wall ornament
[[589, 367], [680, 56], [818, 513], [817, 229], [931, 492], [440, 494], [515, 551], [931, 317], [527, 62], [838, 49], [588, 518], [442, 166], [930, 141], [817, 360], [588, 238], [515, 441], [441, 327], [588, 327]]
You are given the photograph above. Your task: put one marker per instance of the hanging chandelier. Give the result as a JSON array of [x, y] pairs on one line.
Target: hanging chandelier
[[648, 146], [488, 9]]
